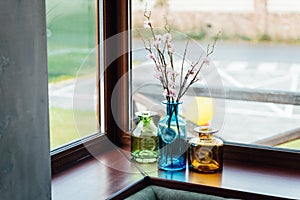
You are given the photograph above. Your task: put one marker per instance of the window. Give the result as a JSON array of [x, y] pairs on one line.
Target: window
[[72, 70], [257, 58], [96, 64], [116, 73]]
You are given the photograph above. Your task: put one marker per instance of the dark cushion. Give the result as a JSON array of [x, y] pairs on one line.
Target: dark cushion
[[146, 193], [161, 193]]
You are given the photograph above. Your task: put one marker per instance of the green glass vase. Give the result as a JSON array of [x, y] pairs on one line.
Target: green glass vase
[[144, 139]]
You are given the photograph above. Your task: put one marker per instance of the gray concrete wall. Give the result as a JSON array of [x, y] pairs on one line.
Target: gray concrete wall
[[24, 132]]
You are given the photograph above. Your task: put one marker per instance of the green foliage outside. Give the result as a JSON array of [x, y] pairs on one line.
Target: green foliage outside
[[66, 66], [70, 36], [295, 144], [66, 128]]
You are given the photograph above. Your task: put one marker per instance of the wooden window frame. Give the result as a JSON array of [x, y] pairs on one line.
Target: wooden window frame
[[115, 20], [116, 15]]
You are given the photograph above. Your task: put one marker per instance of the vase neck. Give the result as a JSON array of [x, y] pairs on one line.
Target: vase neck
[[145, 120], [204, 136], [145, 116], [172, 109]]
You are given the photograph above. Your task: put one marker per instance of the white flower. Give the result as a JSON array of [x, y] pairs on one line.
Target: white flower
[[158, 75], [156, 43], [167, 37], [147, 23], [206, 61], [170, 47], [171, 84], [165, 93], [169, 70], [172, 93], [158, 37], [174, 74], [150, 56]]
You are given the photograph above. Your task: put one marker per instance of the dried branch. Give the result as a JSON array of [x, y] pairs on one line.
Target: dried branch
[[165, 76]]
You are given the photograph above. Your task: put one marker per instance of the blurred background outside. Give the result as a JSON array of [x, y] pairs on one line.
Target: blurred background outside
[[259, 49]]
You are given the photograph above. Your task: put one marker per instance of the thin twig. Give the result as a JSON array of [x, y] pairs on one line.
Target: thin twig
[[183, 60]]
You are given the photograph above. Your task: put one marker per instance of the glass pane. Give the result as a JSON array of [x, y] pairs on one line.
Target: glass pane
[[260, 123], [71, 69], [258, 49]]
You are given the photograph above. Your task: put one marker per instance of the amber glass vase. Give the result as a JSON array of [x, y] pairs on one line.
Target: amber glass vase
[[206, 151]]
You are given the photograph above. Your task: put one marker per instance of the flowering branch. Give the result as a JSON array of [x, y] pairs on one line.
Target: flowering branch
[[165, 71], [209, 51]]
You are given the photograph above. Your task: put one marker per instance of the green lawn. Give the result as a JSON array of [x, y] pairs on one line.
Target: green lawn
[[295, 144], [70, 36], [64, 127]]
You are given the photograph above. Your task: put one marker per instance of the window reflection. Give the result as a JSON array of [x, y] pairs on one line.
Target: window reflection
[[71, 69], [258, 50]]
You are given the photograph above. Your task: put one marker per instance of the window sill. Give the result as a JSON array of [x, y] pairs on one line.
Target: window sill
[[97, 178]]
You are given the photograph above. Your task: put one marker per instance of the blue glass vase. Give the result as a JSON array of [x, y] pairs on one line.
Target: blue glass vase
[[172, 141]]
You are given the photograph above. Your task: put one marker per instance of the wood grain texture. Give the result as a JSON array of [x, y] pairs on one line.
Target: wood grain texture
[[116, 76], [111, 172], [90, 180]]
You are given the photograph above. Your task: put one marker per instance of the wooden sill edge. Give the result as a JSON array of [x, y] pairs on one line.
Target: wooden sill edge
[[73, 153], [77, 153]]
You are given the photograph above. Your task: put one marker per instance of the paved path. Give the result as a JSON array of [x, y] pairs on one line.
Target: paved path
[[258, 66]]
